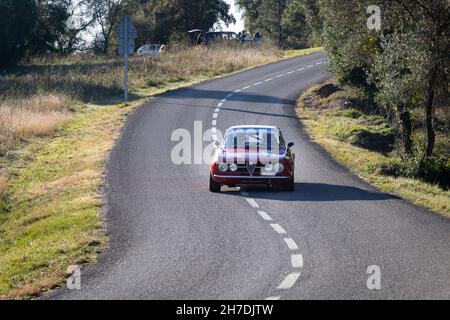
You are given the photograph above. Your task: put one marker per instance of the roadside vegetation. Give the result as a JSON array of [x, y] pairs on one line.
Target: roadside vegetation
[[357, 135]]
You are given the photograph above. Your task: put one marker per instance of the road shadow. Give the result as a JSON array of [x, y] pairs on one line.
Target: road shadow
[[195, 93], [229, 109], [315, 192]]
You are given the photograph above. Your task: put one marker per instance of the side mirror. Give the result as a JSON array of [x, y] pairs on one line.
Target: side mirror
[[290, 145]]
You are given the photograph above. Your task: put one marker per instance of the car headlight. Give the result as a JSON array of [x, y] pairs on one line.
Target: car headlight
[[233, 167], [223, 167], [268, 167], [279, 167]]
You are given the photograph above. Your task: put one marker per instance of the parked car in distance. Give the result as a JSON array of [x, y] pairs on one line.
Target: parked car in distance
[[170, 48], [202, 37], [149, 49], [252, 155]]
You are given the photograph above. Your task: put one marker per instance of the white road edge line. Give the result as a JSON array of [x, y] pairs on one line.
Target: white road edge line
[[297, 260], [247, 87], [300, 69], [220, 104], [279, 76], [290, 72], [278, 228], [267, 80], [291, 243], [289, 281], [264, 215], [257, 83], [252, 203], [310, 66]]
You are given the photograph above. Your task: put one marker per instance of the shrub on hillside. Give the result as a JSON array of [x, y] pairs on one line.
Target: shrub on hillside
[[431, 169]]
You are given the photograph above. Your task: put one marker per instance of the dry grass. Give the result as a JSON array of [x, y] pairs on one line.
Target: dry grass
[[3, 182], [36, 116], [92, 79]]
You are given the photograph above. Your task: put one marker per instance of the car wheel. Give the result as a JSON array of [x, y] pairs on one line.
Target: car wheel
[[290, 186], [214, 186]]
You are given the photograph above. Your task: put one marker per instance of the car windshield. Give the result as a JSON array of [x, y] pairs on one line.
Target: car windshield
[[261, 138]]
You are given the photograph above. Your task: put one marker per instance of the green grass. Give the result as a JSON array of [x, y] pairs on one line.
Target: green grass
[[300, 52], [334, 128]]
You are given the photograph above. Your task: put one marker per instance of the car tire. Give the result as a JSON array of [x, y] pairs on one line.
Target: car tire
[[290, 186], [214, 186]]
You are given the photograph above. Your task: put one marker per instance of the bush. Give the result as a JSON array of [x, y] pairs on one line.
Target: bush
[[434, 170], [378, 138]]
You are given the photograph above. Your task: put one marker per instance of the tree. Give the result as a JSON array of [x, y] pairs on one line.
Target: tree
[[107, 14], [250, 11], [270, 18], [18, 18], [431, 21], [293, 24], [157, 21], [60, 26], [80, 18], [290, 23]]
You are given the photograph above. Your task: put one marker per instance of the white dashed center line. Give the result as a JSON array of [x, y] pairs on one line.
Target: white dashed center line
[[264, 215], [273, 298], [278, 228], [267, 80], [289, 281], [297, 260], [252, 203], [291, 243]]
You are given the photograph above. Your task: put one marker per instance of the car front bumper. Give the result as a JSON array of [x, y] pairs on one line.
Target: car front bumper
[[236, 179]]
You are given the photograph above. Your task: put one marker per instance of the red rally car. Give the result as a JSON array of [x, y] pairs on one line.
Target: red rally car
[[252, 155]]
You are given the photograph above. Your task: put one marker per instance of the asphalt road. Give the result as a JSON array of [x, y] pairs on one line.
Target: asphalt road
[[173, 239]]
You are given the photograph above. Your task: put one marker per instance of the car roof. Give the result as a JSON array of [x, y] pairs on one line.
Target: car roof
[[253, 127]]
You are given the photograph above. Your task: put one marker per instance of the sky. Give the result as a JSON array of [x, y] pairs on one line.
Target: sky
[[239, 25]]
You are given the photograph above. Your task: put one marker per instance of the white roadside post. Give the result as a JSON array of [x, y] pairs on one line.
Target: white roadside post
[[126, 33]]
